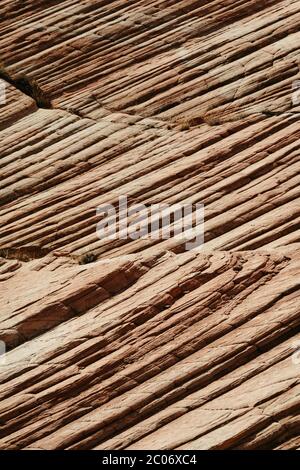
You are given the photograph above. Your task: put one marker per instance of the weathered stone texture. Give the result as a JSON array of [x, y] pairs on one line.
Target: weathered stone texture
[[148, 346]]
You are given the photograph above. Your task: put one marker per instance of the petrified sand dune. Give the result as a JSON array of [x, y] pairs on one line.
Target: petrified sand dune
[[121, 351], [114, 344]]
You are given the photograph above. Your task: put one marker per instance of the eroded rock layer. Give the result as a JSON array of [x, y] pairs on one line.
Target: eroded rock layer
[[121, 352], [116, 343]]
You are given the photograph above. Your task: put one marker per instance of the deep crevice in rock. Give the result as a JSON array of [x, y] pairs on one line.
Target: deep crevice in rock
[[28, 86]]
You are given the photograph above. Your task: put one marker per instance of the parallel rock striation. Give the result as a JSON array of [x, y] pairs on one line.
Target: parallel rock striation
[[122, 352], [114, 344]]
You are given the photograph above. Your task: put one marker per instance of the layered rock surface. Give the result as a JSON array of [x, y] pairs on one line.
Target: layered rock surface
[[174, 102]]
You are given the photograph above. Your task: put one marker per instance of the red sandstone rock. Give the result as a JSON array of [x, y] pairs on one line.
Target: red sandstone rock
[[175, 102]]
